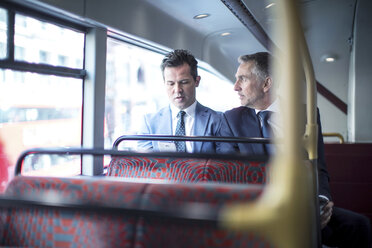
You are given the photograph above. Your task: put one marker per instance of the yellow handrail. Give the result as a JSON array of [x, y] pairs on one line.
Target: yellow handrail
[[311, 127], [285, 211], [338, 135]]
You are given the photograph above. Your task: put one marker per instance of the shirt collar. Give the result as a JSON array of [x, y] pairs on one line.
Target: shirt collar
[[190, 111], [274, 107]]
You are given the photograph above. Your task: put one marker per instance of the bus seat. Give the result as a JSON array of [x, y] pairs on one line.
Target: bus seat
[[174, 169], [50, 227], [235, 171], [167, 233], [46, 227], [85, 189], [350, 170], [188, 169]]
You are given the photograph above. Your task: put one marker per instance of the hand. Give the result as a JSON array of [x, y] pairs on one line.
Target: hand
[[327, 213]]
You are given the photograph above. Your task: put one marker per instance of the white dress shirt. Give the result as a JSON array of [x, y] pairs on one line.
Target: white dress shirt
[[274, 118], [189, 120]]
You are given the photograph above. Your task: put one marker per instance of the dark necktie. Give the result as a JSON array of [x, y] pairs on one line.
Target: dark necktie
[[180, 131], [264, 116]]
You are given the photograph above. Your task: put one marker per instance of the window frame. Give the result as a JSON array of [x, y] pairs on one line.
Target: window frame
[[10, 63], [53, 17]]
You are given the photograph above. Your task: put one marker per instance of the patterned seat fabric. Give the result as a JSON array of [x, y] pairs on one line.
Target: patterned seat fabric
[[189, 170], [174, 169], [84, 189], [166, 233], [46, 227], [235, 171]]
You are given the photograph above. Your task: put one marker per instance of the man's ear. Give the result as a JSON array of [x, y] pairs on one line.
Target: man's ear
[[268, 84], [197, 81]]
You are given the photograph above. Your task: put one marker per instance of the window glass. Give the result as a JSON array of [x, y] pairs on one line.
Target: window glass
[[134, 87], [216, 92], [3, 32], [38, 111], [46, 43], [51, 165]]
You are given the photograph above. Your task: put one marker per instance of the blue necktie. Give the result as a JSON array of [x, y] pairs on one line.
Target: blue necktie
[[264, 116], [180, 131]]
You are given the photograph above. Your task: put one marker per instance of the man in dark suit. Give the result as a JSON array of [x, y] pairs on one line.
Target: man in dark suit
[[184, 115], [257, 117]]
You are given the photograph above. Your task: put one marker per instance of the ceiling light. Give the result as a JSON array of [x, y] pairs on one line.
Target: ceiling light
[[270, 5], [201, 16], [328, 58], [225, 34]]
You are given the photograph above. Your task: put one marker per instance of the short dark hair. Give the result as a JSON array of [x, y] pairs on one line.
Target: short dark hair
[[262, 62], [177, 58]]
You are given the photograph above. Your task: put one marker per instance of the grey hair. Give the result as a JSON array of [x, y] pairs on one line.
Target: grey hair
[[261, 61]]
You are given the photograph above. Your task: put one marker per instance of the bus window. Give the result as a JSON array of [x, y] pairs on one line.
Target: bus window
[[3, 33], [39, 110], [133, 78], [41, 42], [214, 87], [51, 165]]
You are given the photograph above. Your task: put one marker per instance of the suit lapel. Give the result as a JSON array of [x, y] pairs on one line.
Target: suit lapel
[[162, 125], [164, 122], [252, 129], [201, 119], [202, 116]]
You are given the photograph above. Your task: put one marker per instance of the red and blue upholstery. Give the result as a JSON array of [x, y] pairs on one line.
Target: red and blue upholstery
[[83, 189], [47, 227], [168, 233], [60, 227], [235, 171], [174, 169], [189, 169]]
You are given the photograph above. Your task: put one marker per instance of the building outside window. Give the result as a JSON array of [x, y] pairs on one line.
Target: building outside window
[[39, 110]]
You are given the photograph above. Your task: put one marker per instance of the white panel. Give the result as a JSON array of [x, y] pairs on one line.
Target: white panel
[[332, 119], [361, 82], [140, 19]]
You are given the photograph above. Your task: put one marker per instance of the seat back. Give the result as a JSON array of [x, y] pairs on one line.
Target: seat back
[[167, 233], [152, 202], [188, 169], [66, 227], [349, 166], [236, 171], [174, 169], [59, 227]]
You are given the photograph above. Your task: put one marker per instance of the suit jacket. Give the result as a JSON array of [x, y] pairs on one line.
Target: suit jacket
[[207, 123], [243, 122]]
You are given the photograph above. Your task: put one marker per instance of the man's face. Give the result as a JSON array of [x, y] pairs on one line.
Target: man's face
[[180, 85], [249, 86]]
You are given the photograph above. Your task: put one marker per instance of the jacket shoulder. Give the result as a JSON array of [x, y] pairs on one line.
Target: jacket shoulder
[[153, 116], [202, 108], [236, 111]]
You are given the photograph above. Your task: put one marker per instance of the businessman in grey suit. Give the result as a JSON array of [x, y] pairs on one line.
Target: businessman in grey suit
[[184, 115], [255, 87]]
